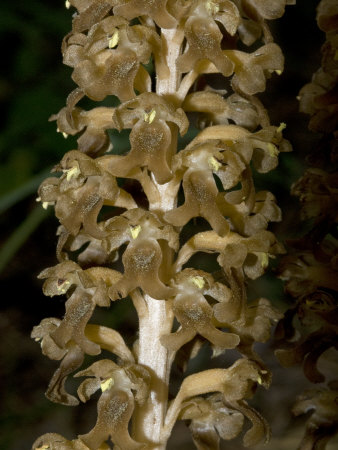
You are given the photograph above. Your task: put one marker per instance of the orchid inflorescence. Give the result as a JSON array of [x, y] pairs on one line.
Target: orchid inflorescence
[[126, 219]]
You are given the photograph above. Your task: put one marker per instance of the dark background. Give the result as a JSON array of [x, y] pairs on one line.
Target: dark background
[[33, 85]]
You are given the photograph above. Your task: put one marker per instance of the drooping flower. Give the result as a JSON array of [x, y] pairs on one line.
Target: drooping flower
[[80, 193], [116, 403], [194, 312]]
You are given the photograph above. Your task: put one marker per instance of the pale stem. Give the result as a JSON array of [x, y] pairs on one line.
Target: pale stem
[[157, 317], [149, 420], [172, 42]]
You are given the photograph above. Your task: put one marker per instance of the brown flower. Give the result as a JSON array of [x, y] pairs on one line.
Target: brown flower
[[204, 40], [80, 193], [210, 419], [194, 313], [214, 109], [156, 9], [107, 60], [93, 124], [235, 383], [142, 258], [116, 403], [72, 358]]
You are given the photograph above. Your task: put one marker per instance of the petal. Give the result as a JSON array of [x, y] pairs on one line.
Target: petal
[[272, 9], [54, 441], [115, 409], [174, 341], [142, 261], [91, 15], [204, 39], [110, 340], [156, 9], [200, 199], [260, 428], [56, 391], [79, 309]]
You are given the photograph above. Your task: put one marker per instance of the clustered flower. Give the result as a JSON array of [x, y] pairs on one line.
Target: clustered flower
[[309, 329], [113, 243]]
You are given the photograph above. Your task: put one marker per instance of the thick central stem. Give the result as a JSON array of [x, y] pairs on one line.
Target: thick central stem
[[150, 418], [156, 318]]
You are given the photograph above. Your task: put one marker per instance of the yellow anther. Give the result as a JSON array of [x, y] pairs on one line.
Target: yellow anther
[[214, 164], [281, 127], [198, 281], [114, 40], [73, 172], [63, 287], [150, 117], [259, 380], [279, 72], [135, 231], [65, 135], [264, 260], [107, 384], [38, 199], [44, 447], [46, 204], [298, 97], [272, 149], [212, 7], [67, 4]]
